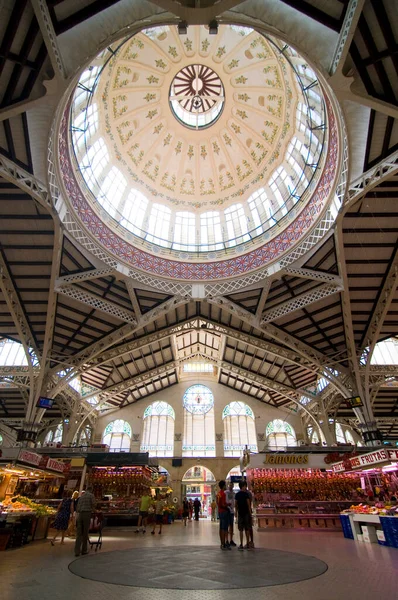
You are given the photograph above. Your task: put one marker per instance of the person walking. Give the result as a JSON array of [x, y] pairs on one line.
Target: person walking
[[213, 510], [160, 504], [63, 517], [223, 514], [185, 510], [196, 508], [145, 503], [85, 507], [190, 503], [230, 496], [243, 510]]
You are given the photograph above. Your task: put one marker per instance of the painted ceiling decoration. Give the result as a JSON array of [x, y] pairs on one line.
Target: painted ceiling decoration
[[198, 148]]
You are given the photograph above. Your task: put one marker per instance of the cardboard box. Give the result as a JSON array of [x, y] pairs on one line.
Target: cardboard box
[[369, 539], [359, 537]]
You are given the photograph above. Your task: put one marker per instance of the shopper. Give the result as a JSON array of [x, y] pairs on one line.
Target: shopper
[[223, 514], [213, 510], [185, 510], [230, 496], [85, 507], [196, 507], [243, 510], [160, 504], [145, 503], [72, 523], [190, 509], [63, 517], [251, 534]]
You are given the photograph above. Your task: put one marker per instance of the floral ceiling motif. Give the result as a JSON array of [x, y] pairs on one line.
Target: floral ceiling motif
[[208, 166]]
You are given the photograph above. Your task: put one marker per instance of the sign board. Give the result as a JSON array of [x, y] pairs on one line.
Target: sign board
[[118, 459], [237, 478], [55, 465], [286, 460], [365, 460], [31, 458], [393, 454]]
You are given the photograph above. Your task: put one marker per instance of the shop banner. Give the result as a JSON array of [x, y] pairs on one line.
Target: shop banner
[[365, 460], [31, 458], [285, 460], [55, 465], [393, 454]]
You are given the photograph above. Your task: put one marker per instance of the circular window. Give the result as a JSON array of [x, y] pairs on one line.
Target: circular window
[[198, 399], [197, 96]]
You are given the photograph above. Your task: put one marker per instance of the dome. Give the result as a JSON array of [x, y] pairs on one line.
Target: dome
[[199, 148]]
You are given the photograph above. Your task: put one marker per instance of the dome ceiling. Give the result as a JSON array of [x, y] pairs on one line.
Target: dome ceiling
[[198, 148], [147, 114]]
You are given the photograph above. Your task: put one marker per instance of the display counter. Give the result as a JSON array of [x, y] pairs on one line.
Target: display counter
[[371, 528], [119, 512], [301, 515]]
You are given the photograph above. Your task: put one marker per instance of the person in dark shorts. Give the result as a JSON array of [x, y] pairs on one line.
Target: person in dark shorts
[[243, 510], [223, 513], [160, 505]]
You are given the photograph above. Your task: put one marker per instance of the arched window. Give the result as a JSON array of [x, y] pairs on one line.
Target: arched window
[[199, 434], [83, 438], [280, 434], [54, 436], [158, 430], [239, 429], [340, 434], [349, 438], [117, 436]]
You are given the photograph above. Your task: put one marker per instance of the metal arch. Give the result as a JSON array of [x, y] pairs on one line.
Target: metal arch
[[289, 306], [369, 180], [26, 182], [18, 316], [97, 303], [85, 276], [77, 362], [353, 13], [41, 383], [366, 413], [315, 361], [50, 38]]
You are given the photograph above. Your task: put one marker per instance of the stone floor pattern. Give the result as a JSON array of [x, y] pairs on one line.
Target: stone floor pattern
[[355, 571]]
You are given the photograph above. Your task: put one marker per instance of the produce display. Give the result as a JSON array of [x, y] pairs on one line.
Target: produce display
[[302, 485], [21, 504], [378, 509]]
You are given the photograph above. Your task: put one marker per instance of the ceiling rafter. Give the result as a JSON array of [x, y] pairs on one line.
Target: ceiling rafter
[[352, 15], [50, 38], [97, 302]]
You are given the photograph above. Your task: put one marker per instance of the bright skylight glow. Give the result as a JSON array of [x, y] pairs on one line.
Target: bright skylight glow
[[12, 354]]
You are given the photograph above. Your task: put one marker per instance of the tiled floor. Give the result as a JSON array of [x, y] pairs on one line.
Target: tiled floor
[[355, 571]]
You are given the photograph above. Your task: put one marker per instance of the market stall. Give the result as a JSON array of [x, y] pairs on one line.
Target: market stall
[[374, 521], [118, 481], [294, 490]]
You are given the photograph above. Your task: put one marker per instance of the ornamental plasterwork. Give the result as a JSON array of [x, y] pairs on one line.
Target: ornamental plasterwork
[[248, 140]]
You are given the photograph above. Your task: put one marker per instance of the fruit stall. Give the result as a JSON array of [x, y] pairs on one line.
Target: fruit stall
[[22, 521]]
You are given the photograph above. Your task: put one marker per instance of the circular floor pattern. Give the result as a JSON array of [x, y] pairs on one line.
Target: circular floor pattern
[[197, 568]]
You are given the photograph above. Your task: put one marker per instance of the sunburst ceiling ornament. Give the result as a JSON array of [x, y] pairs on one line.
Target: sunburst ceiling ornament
[[197, 96]]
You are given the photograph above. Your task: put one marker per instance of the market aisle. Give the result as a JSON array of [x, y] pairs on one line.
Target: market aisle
[[356, 571]]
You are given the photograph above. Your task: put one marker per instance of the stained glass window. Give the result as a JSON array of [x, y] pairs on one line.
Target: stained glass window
[[117, 436], [199, 431], [239, 429], [280, 434], [158, 430]]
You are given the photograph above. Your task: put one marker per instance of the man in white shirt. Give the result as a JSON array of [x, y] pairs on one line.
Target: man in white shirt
[[230, 496]]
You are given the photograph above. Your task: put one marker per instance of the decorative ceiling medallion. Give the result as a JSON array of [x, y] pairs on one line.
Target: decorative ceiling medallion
[[197, 96]]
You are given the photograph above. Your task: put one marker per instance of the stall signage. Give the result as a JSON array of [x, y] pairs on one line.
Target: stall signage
[[55, 465], [286, 459], [356, 462], [118, 459], [393, 454], [29, 457], [338, 467]]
